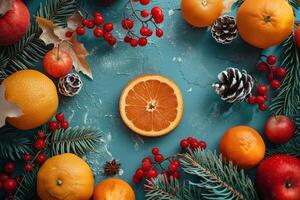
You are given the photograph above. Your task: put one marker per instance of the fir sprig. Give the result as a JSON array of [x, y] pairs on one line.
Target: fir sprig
[[217, 179], [13, 144], [292, 148], [74, 140], [26, 189]]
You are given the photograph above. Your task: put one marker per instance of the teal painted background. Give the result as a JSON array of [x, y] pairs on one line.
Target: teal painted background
[[187, 55]]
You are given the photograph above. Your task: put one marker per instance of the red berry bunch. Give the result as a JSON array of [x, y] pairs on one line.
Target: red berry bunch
[[150, 168], [60, 123], [100, 28], [145, 19], [192, 143], [274, 74], [8, 184], [261, 98]]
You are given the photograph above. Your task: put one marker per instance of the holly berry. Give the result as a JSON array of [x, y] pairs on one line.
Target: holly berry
[[146, 166], [39, 144], [108, 27], [133, 42], [53, 126], [202, 145], [28, 167], [260, 100], [157, 14], [272, 60], [64, 125], [142, 41], [41, 158], [262, 66], [98, 19], [69, 34], [159, 158], [9, 167], [194, 145], [136, 180], [127, 24], [127, 39], [262, 89], [3, 177], [275, 84], [176, 174], [155, 151], [172, 167], [60, 117], [139, 173], [85, 22], [91, 24], [251, 100], [112, 41], [184, 144], [270, 77], [146, 160], [144, 31], [159, 32], [176, 163], [80, 31], [27, 157], [97, 13], [273, 69], [191, 140], [10, 185], [263, 107], [41, 135], [144, 2], [145, 13], [152, 173], [98, 32], [281, 72], [107, 36]]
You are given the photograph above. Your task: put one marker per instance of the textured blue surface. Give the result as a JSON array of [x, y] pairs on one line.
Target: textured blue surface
[[187, 55]]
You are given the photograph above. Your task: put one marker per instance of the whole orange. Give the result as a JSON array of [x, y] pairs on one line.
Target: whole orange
[[113, 189], [66, 177], [265, 23], [201, 13], [243, 146], [35, 94]]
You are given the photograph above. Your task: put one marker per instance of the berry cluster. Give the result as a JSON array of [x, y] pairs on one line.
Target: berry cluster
[[101, 29], [145, 18], [59, 123], [274, 73], [169, 166], [8, 183]]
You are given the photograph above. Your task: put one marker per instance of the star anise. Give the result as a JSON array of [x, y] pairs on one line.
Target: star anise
[[111, 168]]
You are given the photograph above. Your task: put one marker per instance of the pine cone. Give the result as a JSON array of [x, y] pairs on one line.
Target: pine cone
[[234, 85], [111, 168], [69, 85], [224, 30]]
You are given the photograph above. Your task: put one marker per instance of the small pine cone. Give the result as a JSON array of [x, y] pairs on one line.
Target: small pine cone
[[70, 85], [224, 30], [234, 85]]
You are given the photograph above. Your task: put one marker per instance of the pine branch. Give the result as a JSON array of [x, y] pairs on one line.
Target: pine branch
[[13, 144], [26, 189], [291, 148], [285, 103], [238, 3], [218, 180], [295, 4], [74, 140], [30, 49]]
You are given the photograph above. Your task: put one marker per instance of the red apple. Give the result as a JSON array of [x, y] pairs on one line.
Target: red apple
[[14, 23], [279, 129], [278, 178], [57, 63]]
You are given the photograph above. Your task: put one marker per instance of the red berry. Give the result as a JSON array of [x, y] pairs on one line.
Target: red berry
[[159, 158], [159, 32], [133, 42], [39, 144], [194, 145], [27, 157], [144, 31], [64, 125], [28, 167], [69, 34], [9, 167], [85, 22], [139, 173], [142, 41], [262, 66], [41, 135], [97, 13], [3, 177], [41, 158], [127, 39], [251, 100], [145, 13], [172, 167], [275, 84], [262, 89], [281, 72], [108, 27], [263, 107], [107, 36], [184, 144], [270, 76], [80, 31], [272, 59], [10, 185], [202, 145], [157, 14], [98, 20], [260, 100], [176, 163], [191, 140], [155, 151], [53, 126], [176, 174], [98, 32], [144, 2], [60, 117], [146, 166], [273, 69], [127, 24], [91, 24], [152, 173], [146, 160], [266, 97], [136, 180], [112, 41]]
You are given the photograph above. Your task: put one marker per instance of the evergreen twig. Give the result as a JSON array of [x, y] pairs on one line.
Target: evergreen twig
[[292, 148]]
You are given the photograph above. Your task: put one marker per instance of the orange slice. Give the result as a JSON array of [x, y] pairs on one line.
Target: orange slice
[[151, 105]]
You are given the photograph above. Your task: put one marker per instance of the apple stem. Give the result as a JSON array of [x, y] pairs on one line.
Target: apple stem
[[57, 55]]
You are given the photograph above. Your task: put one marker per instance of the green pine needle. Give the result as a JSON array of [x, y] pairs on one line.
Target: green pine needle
[[217, 179], [26, 189], [13, 144], [292, 148], [74, 140]]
